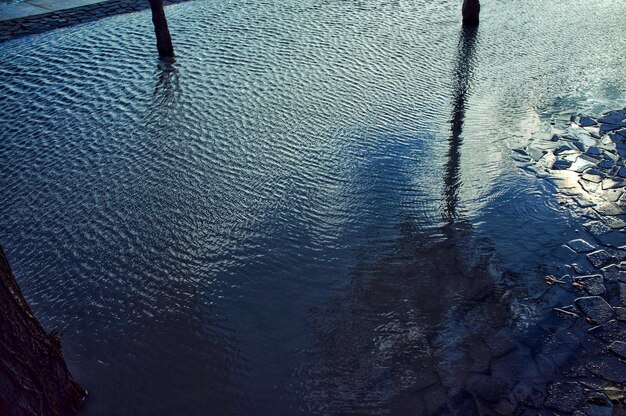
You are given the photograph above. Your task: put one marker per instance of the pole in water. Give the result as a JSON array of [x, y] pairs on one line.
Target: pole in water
[[471, 10], [164, 41]]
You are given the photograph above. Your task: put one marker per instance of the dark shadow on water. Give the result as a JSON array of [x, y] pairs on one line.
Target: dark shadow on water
[[463, 72], [427, 325]]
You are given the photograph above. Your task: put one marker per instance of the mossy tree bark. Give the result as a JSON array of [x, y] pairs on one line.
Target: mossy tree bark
[[162, 31], [34, 379]]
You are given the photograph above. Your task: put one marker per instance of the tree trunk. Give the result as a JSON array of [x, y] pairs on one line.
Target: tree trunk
[[471, 10], [34, 379], [164, 41]]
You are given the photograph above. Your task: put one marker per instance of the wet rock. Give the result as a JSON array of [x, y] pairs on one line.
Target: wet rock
[[619, 409], [488, 388], [500, 343], [613, 330], [595, 308], [586, 122], [583, 266], [599, 258], [436, 401], [583, 162], [565, 397], [613, 183], [568, 313], [609, 368], [612, 195], [594, 151], [561, 164], [615, 223], [612, 120], [622, 293], [536, 153], [423, 379], [581, 246], [619, 348], [620, 313], [593, 284], [611, 273], [562, 148], [600, 406], [608, 208], [622, 172], [526, 395], [579, 146], [463, 403], [605, 128], [592, 175], [481, 357]]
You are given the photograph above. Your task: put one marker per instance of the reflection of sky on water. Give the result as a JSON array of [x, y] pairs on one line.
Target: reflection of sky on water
[[314, 206]]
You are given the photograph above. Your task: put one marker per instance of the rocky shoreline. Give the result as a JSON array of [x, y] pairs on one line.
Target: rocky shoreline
[[585, 158]]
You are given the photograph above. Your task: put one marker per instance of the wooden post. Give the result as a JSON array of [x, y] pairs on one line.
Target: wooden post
[[34, 379], [164, 41], [471, 10]]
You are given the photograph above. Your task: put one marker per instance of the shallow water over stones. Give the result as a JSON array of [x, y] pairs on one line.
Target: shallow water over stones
[[317, 208]]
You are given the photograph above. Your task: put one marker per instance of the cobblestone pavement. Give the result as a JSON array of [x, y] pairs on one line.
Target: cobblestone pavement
[[10, 29]]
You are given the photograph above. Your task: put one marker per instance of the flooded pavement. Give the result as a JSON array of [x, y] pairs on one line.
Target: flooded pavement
[[325, 207]]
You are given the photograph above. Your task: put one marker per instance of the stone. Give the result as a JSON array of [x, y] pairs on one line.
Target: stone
[[611, 273], [608, 208], [595, 308], [500, 343], [622, 293], [618, 348], [605, 128], [613, 330], [581, 246], [486, 387], [594, 151], [583, 162], [613, 183], [586, 122], [561, 164], [594, 284], [592, 175], [565, 397], [622, 172], [609, 368], [601, 407], [561, 149], [620, 313], [599, 258]]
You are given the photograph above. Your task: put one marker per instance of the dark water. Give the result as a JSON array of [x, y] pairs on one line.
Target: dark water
[[315, 210]]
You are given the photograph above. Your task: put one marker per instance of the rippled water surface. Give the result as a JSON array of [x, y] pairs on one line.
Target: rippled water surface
[[314, 210]]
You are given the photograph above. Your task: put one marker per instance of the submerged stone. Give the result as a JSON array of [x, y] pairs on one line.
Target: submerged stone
[[610, 331], [599, 258], [565, 397], [619, 348], [594, 284], [581, 246], [583, 162], [609, 368], [561, 164], [612, 183], [608, 208], [596, 308], [594, 151], [586, 122]]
